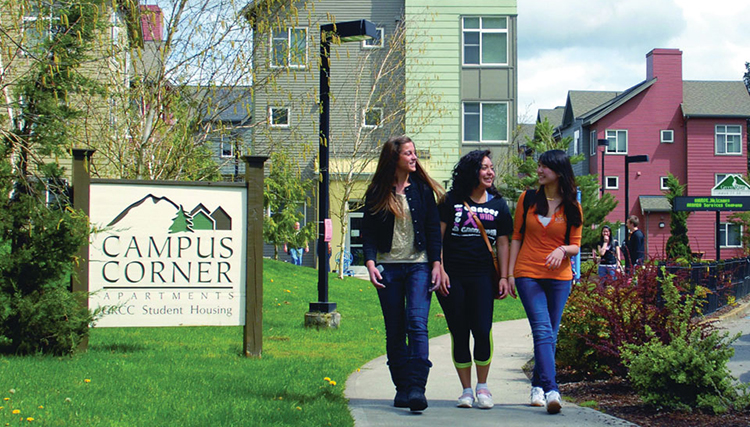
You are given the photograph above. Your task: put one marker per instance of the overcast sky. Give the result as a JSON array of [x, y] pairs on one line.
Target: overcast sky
[[602, 44]]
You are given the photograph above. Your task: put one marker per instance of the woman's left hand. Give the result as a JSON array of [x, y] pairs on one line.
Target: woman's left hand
[[506, 288], [555, 258]]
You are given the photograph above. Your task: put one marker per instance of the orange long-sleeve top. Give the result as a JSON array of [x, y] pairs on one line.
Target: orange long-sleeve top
[[539, 241]]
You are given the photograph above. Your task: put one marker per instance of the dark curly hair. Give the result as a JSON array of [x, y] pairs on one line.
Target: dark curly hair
[[466, 174]]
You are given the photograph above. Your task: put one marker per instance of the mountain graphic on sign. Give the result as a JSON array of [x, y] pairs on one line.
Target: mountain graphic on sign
[[161, 213], [732, 182]]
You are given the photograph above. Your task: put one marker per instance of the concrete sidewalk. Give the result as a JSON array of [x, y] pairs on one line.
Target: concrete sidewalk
[[370, 391]]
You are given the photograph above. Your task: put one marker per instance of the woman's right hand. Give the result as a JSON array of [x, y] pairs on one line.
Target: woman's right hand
[[443, 286], [375, 276]]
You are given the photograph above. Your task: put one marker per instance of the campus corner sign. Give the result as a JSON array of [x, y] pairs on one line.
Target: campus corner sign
[[168, 255]]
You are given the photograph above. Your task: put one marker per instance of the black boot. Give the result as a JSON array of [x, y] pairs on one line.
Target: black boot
[[398, 375], [417, 382]]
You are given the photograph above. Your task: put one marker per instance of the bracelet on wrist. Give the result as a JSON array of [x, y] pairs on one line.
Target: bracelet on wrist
[[565, 253]]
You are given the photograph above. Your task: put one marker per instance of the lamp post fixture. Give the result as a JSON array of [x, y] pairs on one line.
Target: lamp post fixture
[[345, 32], [643, 158], [602, 143]]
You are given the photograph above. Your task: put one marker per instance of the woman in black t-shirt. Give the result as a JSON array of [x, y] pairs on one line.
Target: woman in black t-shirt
[[466, 292], [607, 252]]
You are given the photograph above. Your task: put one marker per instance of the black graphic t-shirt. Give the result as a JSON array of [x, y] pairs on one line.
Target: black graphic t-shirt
[[463, 245]]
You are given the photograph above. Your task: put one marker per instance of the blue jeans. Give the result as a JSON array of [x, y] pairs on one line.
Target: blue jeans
[[405, 302], [607, 272], [296, 254], [544, 301]]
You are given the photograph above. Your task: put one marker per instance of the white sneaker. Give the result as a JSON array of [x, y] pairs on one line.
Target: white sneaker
[[537, 396], [466, 400], [484, 399], [554, 401]]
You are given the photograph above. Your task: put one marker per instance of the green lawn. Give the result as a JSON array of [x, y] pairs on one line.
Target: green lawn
[[195, 376]]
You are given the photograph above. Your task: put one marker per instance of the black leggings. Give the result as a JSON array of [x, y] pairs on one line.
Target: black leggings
[[468, 308]]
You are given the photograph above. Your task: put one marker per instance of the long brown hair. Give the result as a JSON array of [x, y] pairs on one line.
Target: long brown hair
[[559, 162], [380, 190]]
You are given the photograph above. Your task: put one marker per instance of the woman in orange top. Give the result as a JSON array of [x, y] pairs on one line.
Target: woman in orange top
[[540, 252]]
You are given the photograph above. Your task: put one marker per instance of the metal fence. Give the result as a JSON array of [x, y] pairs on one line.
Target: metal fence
[[724, 279]]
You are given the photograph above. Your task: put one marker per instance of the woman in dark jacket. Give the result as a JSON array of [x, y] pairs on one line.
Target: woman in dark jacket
[[401, 239]]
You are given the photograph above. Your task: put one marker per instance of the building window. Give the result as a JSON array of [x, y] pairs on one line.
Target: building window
[[38, 28], [618, 141], [593, 143], [719, 177], [485, 40], [612, 182], [372, 118], [577, 143], [377, 43], [728, 139], [730, 235], [667, 136], [485, 121], [226, 147], [289, 48], [663, 183], [278, 117]]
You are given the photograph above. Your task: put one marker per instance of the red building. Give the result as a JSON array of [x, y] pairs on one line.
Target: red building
[[697, 130]]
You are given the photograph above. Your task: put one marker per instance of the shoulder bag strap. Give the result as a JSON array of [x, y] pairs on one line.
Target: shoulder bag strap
[[484, 235]]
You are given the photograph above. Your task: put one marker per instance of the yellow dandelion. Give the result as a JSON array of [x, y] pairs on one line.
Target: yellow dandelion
[[1, 408], [41, 406], [271, 280], [327, 379], [299, 409], [281, 397], [333, 383], [87, 380], [6, 398], [287, 291], [16, 411], [357, 369], [30, 419]]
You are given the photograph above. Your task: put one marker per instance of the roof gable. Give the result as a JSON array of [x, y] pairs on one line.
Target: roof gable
[[715, 99]]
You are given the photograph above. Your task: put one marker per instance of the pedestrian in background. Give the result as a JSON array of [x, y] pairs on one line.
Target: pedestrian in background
[[401, 242], [297, 246], [607, 255]]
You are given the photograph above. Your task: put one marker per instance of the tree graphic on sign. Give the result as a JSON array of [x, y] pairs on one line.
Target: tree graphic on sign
[[181, 222]]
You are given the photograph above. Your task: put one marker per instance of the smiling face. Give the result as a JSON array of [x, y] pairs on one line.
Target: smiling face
[[546, 175], [407, 158], [486, 174]]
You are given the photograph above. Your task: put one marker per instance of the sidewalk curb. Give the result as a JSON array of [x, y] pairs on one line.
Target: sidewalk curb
[[738, 312]]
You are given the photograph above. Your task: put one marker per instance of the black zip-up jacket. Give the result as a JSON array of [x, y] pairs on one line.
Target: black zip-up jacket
[[377, 229]]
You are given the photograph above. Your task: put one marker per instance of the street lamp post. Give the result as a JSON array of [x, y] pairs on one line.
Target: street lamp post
[[345, 32], [602, 143], [643, 158]]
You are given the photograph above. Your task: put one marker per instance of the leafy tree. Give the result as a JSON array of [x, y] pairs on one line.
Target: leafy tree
[[678, 244], [377, 80], [38, 240], [522, 175], [746, 76], [286, 192]]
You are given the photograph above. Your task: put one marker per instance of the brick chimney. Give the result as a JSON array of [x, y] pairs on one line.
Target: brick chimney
[[151, 23]]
